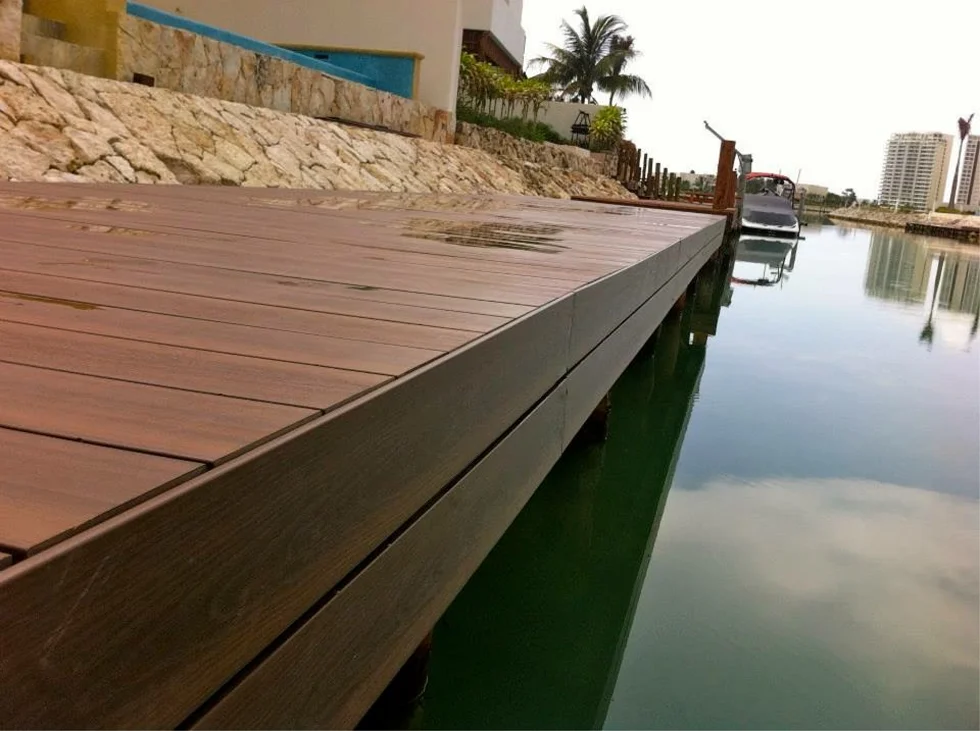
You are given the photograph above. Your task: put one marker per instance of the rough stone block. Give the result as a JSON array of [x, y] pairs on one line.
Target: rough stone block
[[10, 22]]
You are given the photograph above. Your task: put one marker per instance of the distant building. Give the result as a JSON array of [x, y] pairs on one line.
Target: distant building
[[492, 32], [914, 170], [968, 193]]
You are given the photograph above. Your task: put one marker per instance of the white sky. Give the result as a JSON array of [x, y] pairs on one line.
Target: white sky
[[818, 85]]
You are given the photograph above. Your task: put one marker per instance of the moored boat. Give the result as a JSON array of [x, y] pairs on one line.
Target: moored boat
[[767, 208]]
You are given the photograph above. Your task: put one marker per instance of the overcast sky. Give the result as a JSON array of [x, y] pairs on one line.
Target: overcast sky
[[817, 85]]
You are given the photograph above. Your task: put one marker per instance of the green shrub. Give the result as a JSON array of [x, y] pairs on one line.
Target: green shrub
[[524, 128], [607, 128]]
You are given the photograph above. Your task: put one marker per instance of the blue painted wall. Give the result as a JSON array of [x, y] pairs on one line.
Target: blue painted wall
[[395, 74], [250, 44]]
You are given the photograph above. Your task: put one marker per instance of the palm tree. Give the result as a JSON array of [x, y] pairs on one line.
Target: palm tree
[[588, 59], [617, 82], [964, 133]]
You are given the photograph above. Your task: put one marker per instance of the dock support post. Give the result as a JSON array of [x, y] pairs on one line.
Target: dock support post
[[596, 426], [668, 346], [399, 700], [681, 303]]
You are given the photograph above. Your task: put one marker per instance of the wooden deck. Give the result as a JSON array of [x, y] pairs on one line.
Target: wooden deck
[[252, 442]]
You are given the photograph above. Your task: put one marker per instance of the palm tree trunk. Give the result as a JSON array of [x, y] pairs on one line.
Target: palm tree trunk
[[611, 95], [956, 175]]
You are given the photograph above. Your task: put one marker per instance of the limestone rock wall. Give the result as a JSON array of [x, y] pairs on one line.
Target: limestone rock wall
[[63, 126], [542, 153], [10, 14], [187, 62], [896, 219]]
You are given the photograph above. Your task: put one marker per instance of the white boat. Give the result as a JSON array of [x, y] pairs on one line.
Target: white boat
[[767, 208]]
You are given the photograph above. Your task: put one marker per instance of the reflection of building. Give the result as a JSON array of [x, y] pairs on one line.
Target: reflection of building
[[968, 190], [903, 269], [914, 170], [898, 268], [959, 287]]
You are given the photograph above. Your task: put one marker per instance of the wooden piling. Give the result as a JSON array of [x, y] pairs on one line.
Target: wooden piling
[[655, 192], [723, 178]]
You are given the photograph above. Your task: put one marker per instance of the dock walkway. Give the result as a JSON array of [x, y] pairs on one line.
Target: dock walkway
[[252, 442]]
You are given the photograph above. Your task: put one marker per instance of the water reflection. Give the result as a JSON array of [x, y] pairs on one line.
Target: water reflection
[[535, 639], [943, 278], [828, 603], [777, 257]]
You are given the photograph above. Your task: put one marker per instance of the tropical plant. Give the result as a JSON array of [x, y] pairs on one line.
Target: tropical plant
[[487, 89], [607, 128], [592, 56], [964, 125], [621, 47]]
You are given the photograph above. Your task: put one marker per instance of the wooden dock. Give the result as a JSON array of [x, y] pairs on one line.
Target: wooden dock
[[253, 442]]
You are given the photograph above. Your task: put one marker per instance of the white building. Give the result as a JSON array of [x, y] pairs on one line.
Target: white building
[[492, 31], [968, 190], [915, 169]]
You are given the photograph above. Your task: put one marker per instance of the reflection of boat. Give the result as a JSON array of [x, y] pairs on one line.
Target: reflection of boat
[[772, 253], [767, 207]]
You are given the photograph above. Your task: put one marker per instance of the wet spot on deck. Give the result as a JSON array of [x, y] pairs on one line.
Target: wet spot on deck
[[495, 235], [80, 203], [74, 304]]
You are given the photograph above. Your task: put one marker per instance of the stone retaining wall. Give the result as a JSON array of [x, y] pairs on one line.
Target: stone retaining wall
[[187, 62], [896, 219], [507, 146], [62, 126]]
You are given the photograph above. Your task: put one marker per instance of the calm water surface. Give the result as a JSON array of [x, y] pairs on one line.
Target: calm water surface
[[782, 529]]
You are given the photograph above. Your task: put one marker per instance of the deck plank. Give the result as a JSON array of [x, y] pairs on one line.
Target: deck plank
[[52, 488], [259, 379], [328, 264], [193, 426], [16, 285], [263, 288], [218, 337]]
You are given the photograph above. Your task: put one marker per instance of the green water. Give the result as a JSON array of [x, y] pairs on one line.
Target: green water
[[781, 530]]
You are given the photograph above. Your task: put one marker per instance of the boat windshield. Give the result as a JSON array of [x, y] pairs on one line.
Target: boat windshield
[[770, 186]]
